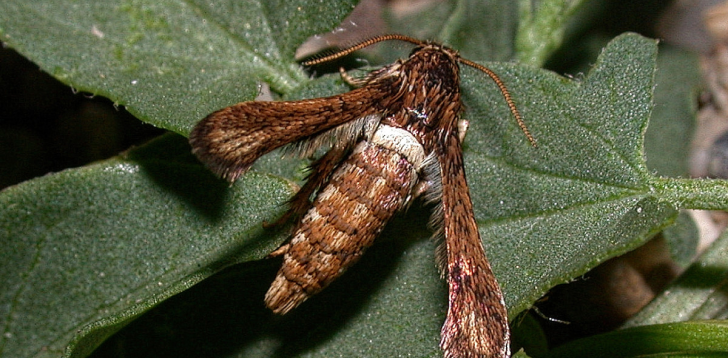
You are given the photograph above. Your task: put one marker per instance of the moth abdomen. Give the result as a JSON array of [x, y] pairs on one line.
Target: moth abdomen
[[395, 137], [348, 213]]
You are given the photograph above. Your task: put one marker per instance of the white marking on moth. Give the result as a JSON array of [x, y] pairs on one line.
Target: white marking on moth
[[361, 210], [339, 240], [377, 187], [300, 236], [421, 115], [332, 192], [402, 142], [327, 193], [462, 129], [344, 170]]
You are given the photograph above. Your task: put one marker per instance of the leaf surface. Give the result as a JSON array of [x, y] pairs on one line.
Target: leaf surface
[[169, 62], [91, 249]]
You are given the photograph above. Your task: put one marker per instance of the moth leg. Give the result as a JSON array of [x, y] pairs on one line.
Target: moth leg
[[429, 184], [281, 250], [462, 129], [351, 80], [420, 188], [320, 171]]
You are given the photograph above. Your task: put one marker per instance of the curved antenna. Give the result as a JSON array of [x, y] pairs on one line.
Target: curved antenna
[[398, 37], [360, 46], [506, 96]]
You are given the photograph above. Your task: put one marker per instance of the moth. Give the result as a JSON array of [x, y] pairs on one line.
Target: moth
[[396, 136]]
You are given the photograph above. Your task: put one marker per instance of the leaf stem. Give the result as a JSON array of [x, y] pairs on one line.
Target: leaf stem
[[704, 194]]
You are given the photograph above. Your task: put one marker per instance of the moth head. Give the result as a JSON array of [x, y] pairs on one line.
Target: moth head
[[434, 66]]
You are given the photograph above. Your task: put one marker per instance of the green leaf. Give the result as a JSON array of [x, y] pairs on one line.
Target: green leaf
[[520, 354], [171, 62], [100, 245], [528, 334], [687, 339], [698, 294], [683, 239], [668, 138], [541, 29], [547, 214], [479, 30], [483, 30]]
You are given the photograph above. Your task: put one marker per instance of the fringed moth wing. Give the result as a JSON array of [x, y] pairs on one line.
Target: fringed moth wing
[[396, 136]]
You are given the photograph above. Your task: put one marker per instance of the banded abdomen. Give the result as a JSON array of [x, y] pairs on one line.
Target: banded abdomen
[[362, 195]]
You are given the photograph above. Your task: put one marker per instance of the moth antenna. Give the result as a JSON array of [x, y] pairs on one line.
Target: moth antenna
[[359, 46], [506, 95]]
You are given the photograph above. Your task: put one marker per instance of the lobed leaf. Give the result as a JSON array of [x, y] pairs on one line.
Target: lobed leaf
[[170, 62], [90, 250]]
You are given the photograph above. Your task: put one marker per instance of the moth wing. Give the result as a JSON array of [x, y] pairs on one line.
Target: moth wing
[[477, 321], [319, 175], [230, 140]]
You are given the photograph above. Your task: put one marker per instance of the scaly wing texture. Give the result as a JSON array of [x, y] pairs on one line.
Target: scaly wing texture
[[477, 321], [230, 140]]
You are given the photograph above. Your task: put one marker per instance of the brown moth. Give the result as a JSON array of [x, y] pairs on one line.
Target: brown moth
[[396, 136]]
